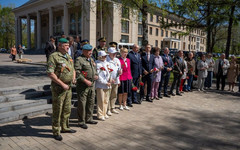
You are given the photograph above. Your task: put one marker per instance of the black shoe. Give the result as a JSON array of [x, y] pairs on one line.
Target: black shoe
[[157, 98], [84, 126], [137, 102], [91, 122], [141, 99], [171, 93], [179, 94], [69, 131], [160, 96], [166, 95], [58, 137], [130, 105], [149, 100]]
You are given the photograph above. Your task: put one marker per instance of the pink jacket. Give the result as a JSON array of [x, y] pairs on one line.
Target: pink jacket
[[126, 70]]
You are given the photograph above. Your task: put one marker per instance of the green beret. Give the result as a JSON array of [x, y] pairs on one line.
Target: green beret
[[63, 40], [102, 39], [87, 47]]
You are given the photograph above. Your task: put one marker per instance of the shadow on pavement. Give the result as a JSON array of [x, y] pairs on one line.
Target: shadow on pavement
[[24, 70], [28, 128]]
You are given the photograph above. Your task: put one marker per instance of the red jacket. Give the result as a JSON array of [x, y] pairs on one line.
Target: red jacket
[[126, 70]]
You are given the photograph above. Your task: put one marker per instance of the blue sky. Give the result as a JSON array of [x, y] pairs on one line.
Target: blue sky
[[15, 3]]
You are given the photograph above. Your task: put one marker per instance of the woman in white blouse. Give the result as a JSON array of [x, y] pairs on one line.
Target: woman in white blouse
[[103, 85]]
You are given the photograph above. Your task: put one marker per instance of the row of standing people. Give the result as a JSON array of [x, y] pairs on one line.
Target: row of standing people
[[110, 77]]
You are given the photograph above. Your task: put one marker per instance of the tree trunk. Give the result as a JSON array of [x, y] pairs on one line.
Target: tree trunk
[[208, 27], [229, 31], [144, 24]]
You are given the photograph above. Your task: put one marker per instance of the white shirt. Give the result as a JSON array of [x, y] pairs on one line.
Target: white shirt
[[210, 63], [103, 75], [116, 66]]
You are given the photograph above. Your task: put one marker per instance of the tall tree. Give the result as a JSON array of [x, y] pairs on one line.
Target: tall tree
[[234, 6], [6, 27], [204, 14]]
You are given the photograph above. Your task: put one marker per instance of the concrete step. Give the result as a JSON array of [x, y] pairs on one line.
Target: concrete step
[[25, 95], [26, 112], [21, 104], [24, 89]]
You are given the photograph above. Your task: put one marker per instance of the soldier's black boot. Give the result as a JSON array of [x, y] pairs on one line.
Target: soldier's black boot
[[58, 137]]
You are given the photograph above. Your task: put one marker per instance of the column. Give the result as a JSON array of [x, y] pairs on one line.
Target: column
[[35, 33], [39, 30], [65, 20], [28, 32], [50, 21], [19, 31], [89, 21], [16, 32], [116, 21]]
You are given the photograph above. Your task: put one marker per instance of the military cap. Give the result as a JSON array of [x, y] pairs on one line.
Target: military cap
[[102, 39], [113, 44], [63, 40], [84, 42], [87, 47]]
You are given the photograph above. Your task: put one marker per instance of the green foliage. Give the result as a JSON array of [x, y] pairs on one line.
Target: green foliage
[[7, 30]]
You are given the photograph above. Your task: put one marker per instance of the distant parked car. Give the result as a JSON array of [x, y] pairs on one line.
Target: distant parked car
[[3, 50]]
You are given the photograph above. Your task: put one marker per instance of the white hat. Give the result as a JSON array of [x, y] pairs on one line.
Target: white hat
[[112, 50], [102, 53]]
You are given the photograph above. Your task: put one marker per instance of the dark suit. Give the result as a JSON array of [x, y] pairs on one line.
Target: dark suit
[[49, 49], [167, 61], [147, 65], [136, 70], [178, 67]]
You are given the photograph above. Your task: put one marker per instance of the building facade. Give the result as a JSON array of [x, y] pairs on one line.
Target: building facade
[[85, 19]]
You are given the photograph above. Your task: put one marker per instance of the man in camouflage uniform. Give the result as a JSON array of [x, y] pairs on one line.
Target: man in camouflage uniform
[[100, 47], [61, 71], [86, 76]]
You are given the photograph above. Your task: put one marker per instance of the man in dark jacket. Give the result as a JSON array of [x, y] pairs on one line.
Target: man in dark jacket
[[50, 47], [168, 64], [148, 65], [178, 70], [136, 70]]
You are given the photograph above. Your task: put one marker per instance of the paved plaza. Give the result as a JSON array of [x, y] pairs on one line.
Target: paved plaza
[[197, 120]]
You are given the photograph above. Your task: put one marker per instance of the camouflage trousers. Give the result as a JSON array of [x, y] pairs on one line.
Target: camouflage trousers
[[86, 98], [61, 106]]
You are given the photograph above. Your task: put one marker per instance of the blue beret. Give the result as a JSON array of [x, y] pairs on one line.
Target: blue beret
[[87, 47], [63, 40]]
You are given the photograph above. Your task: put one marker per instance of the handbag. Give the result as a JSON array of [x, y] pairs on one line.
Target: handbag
[[10, 56]]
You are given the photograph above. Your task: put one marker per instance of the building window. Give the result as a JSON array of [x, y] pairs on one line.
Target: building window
[[156, 31], [171, 34], [79, 23], [157, 19], [125, 26], [139, 16], [162, 33], [151, 18], [140, 29], [57, 27], [140, 41], [167, 21], [161, 44], [156, 43], [150, 30], [124, 39], [166, 34], [179, 37], [125, 12], [72, 29]]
